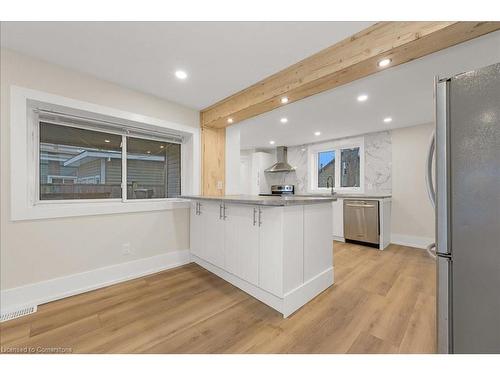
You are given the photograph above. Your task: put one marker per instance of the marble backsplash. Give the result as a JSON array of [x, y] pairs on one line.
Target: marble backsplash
[[378, 166], [378, 162]]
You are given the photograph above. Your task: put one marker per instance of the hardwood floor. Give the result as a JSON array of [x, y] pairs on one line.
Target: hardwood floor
[[381, 302]]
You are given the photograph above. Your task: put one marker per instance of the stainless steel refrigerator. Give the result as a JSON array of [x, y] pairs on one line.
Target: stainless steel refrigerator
[[467, 148]]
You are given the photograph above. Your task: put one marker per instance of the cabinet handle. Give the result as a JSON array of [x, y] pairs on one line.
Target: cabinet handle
[[260, 217], [220, 211], [224, 211], [254, 216], [199, 208]]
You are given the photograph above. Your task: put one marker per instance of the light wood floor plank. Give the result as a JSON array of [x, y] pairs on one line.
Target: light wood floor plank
[[381, 302]]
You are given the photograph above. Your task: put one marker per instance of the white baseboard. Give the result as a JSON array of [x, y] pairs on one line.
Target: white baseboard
[[412, 241], [298, 297], [61, 287], [340, 239]]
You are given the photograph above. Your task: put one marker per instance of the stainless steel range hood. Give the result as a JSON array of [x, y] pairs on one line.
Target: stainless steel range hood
[[281, 165]]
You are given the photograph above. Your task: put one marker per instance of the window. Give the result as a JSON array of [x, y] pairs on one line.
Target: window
[[337, 164], [153, 169], [349, 167], [77, 163], [326, 169], [30, 200]]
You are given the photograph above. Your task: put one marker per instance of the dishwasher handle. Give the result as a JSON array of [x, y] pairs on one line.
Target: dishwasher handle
[[361, 205]]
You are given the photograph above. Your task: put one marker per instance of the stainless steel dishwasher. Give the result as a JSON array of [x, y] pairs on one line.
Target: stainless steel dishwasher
[[361, 221]]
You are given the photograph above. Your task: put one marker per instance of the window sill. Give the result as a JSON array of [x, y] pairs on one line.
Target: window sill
[[60, 209]]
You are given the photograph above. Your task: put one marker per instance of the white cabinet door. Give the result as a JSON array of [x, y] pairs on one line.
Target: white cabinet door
[[338, 219], [242, 242], [196, 229], [271, 250], [213, 234]]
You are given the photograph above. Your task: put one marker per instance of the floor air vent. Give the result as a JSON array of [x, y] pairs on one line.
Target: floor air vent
[[18, 313]]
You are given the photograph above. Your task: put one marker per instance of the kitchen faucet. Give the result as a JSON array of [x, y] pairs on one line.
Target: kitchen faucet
[[328, 179]]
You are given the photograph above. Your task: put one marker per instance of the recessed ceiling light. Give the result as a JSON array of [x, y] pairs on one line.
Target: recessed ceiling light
[[284, 100], [230, 120], [283, 120], [362, 97], [388, 119], [181, 74], [384, 62], [317, 133], [107, 140], [271, 142], [148, 152], [162, 146]]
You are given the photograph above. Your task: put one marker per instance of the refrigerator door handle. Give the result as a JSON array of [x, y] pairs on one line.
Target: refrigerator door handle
[[442, 185], [429, 179]]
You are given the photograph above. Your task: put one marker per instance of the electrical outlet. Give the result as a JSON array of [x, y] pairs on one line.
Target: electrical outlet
[[126, 249]]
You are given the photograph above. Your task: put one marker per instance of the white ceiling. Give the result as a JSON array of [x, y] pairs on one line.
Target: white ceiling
[[404, 93], [221, 58]]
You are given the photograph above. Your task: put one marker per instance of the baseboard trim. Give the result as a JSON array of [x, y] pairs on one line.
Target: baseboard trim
[[298, 297], [412, 241], [66, 286]]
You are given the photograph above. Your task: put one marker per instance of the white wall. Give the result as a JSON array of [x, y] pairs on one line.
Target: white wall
[[34, 251], [412, 212]]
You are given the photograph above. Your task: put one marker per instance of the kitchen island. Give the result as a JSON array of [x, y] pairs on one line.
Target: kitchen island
[[277, 249]]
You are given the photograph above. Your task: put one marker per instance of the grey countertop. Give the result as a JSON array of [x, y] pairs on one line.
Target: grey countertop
[[349, 196], [265, 200], [364, 196]]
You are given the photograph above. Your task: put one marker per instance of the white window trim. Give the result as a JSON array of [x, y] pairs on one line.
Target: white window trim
[[337, 146], [24, 168]]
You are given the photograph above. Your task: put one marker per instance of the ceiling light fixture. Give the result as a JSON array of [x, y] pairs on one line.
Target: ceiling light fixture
[[362, 98], [384, 62], [388, 119], [181, 74], [162, 146], [271, 142], [230, 120], [317, 133], [148, 152], [284, 100], [283, 120], [107, 140]]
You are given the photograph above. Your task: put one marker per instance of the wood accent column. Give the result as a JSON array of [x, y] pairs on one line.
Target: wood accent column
[[213, 154]]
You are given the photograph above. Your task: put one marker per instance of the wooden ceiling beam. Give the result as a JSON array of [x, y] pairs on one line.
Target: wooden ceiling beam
[[351, 59]]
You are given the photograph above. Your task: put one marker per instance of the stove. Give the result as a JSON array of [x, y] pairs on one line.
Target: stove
[[280, 190]]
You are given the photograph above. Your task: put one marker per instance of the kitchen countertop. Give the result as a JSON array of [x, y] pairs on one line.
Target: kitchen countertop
[[349, 196], [293, 200], [364, 196]]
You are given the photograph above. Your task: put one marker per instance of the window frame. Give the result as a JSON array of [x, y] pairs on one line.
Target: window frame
[[337, 146], [25, 157]]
